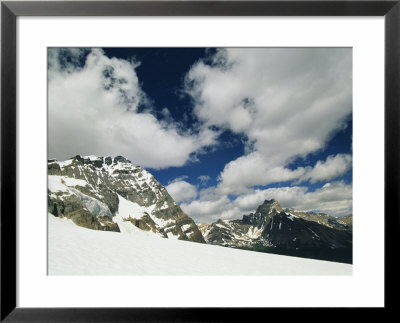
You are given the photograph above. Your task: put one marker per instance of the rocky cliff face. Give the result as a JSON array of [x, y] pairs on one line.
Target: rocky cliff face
[[111, 194], [285, 230]]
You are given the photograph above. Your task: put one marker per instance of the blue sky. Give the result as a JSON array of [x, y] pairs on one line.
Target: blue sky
[[222, 129]]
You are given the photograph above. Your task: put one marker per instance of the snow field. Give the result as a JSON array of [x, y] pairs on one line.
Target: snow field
[[75, 250]]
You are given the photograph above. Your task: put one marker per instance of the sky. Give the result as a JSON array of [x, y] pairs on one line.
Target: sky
[[223, 129]]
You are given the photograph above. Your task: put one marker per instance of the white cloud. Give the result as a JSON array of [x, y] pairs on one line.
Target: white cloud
[[333, 198], [93, 109], [210, 210], [178, 179], [182, 191], [252, 169], [240, 175], [333, 167], [288, 102]]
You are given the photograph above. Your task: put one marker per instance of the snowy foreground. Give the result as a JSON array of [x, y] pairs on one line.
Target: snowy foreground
[[75, 250]]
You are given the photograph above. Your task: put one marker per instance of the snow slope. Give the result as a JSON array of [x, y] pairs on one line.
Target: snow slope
[[75, 250]]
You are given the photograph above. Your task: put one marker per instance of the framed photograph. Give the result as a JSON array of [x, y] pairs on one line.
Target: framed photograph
[[187, 160]]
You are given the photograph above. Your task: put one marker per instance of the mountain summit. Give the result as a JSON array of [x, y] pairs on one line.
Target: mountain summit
[[285, 231], [111, 194], [263, 213]]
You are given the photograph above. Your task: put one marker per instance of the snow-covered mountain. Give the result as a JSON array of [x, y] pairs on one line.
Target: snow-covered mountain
[[286, 231], [111, 194]]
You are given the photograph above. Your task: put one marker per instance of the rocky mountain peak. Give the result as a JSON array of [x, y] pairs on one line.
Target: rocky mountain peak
[[263, 214], [121, 159], [285, 231], [271, 204], [109, 193]]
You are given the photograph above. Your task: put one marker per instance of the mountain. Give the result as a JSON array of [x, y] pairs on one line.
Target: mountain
[[111, 194], [285, 231]]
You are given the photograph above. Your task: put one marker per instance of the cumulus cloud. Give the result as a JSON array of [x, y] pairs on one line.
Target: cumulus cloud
[[333, 167], [241, 174], [333, 198], [210, 207], [93, 108], [182, 191], [287, 102]]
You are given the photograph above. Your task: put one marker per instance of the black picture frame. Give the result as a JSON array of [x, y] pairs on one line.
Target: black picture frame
[[10, 10]]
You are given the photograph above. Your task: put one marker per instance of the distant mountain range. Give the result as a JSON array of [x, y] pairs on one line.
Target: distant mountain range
[[111, 194]]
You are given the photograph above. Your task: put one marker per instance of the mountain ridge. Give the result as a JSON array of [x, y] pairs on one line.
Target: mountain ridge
[[274, 229]]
